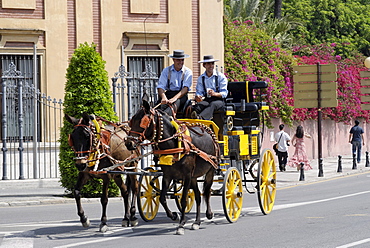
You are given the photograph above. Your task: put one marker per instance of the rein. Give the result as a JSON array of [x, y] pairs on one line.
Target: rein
[[99, 142], [184, 139]]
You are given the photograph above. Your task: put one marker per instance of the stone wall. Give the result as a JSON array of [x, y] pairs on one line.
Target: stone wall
[[334, 137]]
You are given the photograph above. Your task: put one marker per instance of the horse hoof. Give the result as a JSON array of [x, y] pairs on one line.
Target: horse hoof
[[103, 228], [194, 226], [125, 223], [86, 224], [209, 216], [175, 216], [180, 231], [134, 222]]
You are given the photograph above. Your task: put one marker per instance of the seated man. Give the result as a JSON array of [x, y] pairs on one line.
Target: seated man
[[211, 90], [174, 83]]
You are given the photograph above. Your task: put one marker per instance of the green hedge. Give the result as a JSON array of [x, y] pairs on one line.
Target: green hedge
[[86, 90]]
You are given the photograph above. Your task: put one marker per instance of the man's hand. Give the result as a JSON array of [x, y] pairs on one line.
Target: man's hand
[[172, 100], [164, 100], [198, 98]]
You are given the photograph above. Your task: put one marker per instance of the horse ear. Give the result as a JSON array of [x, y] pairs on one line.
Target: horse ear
[[146, 106], [71, 119], [145, 97], [86, 118]]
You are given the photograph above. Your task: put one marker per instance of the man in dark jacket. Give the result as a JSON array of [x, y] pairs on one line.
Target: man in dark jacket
[[356, 138]]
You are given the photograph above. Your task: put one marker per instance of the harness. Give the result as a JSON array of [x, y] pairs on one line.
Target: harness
[[100, 143], [185, 145]]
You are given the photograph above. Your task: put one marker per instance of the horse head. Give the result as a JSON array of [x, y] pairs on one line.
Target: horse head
[[82, 139], [142, 126]]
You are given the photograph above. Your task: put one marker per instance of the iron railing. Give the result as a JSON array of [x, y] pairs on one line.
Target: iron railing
[[30, 129], [31, 120]]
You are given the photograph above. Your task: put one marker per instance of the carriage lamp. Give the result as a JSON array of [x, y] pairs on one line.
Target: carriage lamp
[[367, 62]]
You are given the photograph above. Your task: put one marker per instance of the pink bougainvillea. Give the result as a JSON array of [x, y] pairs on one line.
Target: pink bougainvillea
[[348, 80], [252, 55]]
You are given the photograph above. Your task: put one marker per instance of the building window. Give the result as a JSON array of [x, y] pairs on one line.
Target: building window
[[137, 65], [24, 64]]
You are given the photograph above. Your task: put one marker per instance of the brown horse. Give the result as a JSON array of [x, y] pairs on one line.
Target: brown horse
[[96, 148], [197, 156]]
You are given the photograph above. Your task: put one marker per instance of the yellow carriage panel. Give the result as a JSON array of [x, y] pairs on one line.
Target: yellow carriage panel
[[244, 144]]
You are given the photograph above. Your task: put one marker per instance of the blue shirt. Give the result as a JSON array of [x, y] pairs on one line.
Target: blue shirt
[[210, 82], [176, 77], [356, 132]]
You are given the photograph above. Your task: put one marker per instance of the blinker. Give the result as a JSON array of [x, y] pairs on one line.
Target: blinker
[[145, 122]]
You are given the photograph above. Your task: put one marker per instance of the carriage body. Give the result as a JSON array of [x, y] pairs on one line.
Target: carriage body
[[243, 164]]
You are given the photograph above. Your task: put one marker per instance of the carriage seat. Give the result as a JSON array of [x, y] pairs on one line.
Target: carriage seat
[[242, 106], [248, 129]]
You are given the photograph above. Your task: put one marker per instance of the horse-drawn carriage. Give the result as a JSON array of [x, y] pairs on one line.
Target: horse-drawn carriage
[[189, 151]]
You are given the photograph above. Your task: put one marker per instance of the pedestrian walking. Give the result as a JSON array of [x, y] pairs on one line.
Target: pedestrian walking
[[356, 138], [300, 155], [282, 139]]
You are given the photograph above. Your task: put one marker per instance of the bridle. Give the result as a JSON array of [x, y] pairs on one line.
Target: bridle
[[145, 123], [92, 144]]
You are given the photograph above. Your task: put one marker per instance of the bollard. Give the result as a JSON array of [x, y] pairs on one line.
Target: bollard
[[354, 163], [301, 176], [367, 159], [321, 169], [339, 163]]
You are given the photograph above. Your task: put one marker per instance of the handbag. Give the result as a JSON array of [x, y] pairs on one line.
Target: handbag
[[276, 145]]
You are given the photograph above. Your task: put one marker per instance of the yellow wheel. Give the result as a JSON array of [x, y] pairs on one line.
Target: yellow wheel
[[148, 198], [266, 181], [189, 200], [232, 194]]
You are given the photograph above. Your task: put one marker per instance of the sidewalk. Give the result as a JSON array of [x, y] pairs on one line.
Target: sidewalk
[[49, 191], [330, 167]]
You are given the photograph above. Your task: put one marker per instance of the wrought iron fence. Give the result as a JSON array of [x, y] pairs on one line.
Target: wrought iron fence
[[130, 92], [131, 89], [30, 129], [31, 120]]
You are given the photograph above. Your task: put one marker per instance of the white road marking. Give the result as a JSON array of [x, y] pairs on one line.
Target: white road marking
[[355, 243], [14, 237], [292, 205], [18, 240]]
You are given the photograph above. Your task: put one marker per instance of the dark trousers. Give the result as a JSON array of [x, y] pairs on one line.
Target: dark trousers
[[356, 146], [282, 158], [207, 107], [177, 106]]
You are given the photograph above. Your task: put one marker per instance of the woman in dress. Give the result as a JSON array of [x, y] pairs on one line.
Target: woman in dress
[[299, 155]]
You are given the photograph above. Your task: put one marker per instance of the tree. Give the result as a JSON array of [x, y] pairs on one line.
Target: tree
[[86, 90], [345, 23], [252, 55], [277, 9], [260, 13]]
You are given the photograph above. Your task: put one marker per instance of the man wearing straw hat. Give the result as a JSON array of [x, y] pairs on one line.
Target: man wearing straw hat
[[174, 83], [211, 90]]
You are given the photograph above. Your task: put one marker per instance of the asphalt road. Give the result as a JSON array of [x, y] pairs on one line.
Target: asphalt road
[[328, 213]]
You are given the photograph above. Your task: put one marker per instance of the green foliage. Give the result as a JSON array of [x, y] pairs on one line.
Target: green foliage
[[87, 90], [260, 13], [252, 55], [345, 23]]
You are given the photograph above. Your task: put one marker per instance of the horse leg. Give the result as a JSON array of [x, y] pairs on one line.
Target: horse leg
[[185, 189], [104, 202], [132, 180], [124, 193], [194, 186], [162, 198], [208, 181], [81, 180]]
